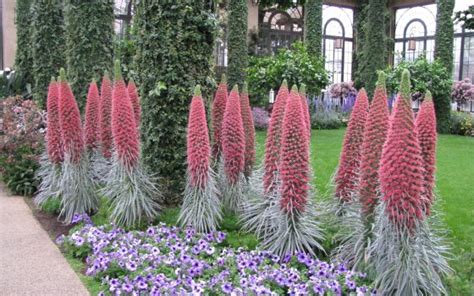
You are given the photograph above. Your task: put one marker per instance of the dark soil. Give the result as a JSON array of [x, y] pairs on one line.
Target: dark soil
[[48, 221]]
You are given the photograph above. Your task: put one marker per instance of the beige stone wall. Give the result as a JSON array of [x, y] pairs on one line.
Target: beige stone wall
[[252, 18], [9, 32]]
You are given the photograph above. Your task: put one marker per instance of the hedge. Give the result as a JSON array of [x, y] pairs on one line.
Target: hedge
[[89, 43], [174, 43]]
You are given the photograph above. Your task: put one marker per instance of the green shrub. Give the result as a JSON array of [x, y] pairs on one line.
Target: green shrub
[[426, 76], [174, 42], [21, 145], [461, 123], [295, 65], [52, 206]]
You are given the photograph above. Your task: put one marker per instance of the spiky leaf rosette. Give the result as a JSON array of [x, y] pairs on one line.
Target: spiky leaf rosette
[[233, 149], [123, 124], [92, 132], [297, 229], [218, 110], [133, 95], [201, 205], [426, 129], [304, 104], [375, 134], [70, 119], [401, 165], [133, 193], [105, 116], [348, 170], [249, 129], [53, 133], [273, 140], [77, 187]]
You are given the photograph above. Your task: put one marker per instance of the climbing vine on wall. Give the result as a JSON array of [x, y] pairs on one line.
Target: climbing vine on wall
[[444, 37], [237, 42], [313, 25]]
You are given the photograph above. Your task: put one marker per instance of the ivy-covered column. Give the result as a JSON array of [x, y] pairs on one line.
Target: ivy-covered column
[[174, 42], [360, 20], [444, 37], [23, 57], [89, 43], [237, 43], [48, 45], [313, 18], [374, 56]]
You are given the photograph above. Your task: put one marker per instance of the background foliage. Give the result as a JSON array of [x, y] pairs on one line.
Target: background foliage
[[24, 53], [444, 37], [296, 65], [313, 19], [237, 43], [374, 56], [174, 43], [89, 43], [21, 144], [47, 44], [426, 76]]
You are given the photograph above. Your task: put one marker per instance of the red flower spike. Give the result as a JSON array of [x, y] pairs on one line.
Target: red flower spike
[[53, 133], [124, 129], [70, 119], [249, 130], [272, 143], [304, 105], [426, 129], [348, 171], [401, 166], [92, 132], [217, 114], [294, 163], [133, 94], [375, 134], [198, 147], [233, 138], [105, 116]]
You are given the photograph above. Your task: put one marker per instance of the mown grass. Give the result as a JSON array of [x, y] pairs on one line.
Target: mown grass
[[454, 181]]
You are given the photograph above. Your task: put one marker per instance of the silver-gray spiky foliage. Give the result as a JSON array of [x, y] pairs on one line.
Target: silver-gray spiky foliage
[[294, 232], [78, 194], [100, 166], [256, 216], [408, 261], [355, 238], [201, 207], [133, 194], [50, 176], [232, 195]]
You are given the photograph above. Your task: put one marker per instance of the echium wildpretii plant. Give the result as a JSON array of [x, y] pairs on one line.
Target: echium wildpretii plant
[[50, 169], [77, 186], [217, 114], [407, 256], [133, 194], [356, 231], [102, 160], [348, 171], [426, 129], [233, 150], [92, 131], [201, 206], [296, 226], [262, 191], [249, 130]]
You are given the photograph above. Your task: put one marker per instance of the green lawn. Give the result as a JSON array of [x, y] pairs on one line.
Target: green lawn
[[455, 175]]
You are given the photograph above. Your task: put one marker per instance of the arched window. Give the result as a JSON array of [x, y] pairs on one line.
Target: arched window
[[279, 28], [338, 42], [414, 32], [463, 47]]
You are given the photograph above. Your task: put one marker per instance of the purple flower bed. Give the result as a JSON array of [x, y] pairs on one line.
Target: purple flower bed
[[260, 118], [172, 261]]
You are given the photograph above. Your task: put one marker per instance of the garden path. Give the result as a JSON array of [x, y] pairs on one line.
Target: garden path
[[30, 263]]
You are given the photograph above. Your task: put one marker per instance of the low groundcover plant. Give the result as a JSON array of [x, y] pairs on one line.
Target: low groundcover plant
[[167, 260]]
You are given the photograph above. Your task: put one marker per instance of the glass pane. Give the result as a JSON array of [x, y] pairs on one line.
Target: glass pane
[[344, 15], [426, 13]]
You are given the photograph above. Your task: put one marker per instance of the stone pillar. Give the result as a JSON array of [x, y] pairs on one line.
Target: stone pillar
[[8, 32]]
